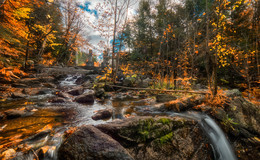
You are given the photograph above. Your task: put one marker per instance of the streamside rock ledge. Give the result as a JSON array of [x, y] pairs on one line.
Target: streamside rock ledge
[[139, 138], [89, 143]]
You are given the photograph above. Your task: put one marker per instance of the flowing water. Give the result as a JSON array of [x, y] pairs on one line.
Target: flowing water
[[44, 128], [219, 143]]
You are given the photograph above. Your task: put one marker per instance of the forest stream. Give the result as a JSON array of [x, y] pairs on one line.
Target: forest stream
[[129, 80], [42, 121]]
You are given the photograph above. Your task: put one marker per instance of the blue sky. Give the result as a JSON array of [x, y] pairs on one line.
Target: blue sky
[[86, 8]]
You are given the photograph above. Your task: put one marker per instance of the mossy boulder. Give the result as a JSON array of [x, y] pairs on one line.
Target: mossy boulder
[[161, 138], [240, 120]]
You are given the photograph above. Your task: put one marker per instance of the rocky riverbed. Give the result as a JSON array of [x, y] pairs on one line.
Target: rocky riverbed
[[65, 113]]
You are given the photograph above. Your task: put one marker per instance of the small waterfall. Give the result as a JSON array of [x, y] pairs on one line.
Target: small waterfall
[[70, 80], [221, 146]]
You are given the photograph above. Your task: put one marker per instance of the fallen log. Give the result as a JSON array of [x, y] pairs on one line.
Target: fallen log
[[161, 90]]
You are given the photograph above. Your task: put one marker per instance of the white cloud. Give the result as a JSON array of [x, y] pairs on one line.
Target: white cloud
[[94, 36]]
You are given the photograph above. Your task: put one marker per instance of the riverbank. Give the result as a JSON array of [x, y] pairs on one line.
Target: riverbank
[[42, 111]]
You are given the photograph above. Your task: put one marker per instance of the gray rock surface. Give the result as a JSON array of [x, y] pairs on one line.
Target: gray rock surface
[[102, 114], [161, 138], [89, 143], [164, 98], [87, 97]]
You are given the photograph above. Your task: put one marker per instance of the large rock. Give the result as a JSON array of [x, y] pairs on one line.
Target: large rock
[[102, 114], [8, 154], [32, 82], [87, 85], [44, 91], [76, 91], [37, 91], [99, 92], [86, 78], [19, 85], [184, 104], [242, 113], [57, 100], [89, 143], [47, 79], [18, 94], [144, 83], [2, 115], [87, 97], [127, 83], [165, 98], [143, 102], [49, 85], [31, 91], [15, 113], [147, 81], [161, 138], [109, 88], [81, 80], [3, 88], [240, 119], [63, 95], [233, 93], [124, 96], [199, 87]]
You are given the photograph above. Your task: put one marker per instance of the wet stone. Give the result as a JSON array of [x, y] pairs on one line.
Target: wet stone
[[100, 92], [90, 143], [19, 85], [44, 91], [86, 97], [63, 95], [18, 95], [58, 100], [15, 113], [102, 114], [2, 115], [39, 135], [87, 85], [164, 98], [76, 91], [8, 154], [49, 85]]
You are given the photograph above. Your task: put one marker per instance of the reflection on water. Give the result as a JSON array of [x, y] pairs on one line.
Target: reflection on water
[[42, 130], [47, 124]]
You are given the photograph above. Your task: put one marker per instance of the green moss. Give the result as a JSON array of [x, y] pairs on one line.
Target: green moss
[[164, 120], [145, 135], [166, 139], [229, 122], [148, 130], [146, 124]]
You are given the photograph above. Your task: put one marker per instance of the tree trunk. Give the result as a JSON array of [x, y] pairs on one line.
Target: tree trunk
[[26, 55], [113, 47], [207, 60]]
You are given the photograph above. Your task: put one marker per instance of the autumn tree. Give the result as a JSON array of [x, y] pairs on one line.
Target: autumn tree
[[28, 29], [111, 20], [73, 26]]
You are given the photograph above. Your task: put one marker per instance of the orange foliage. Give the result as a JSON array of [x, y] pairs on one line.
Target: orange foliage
[[83, 64], [216, 101], [11, 73], [70, 131], [96, 64]]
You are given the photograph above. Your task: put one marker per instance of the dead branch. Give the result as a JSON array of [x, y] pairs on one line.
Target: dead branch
[[161, 90]]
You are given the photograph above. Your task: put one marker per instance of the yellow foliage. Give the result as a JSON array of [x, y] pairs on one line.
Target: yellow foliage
[[22, 13]]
